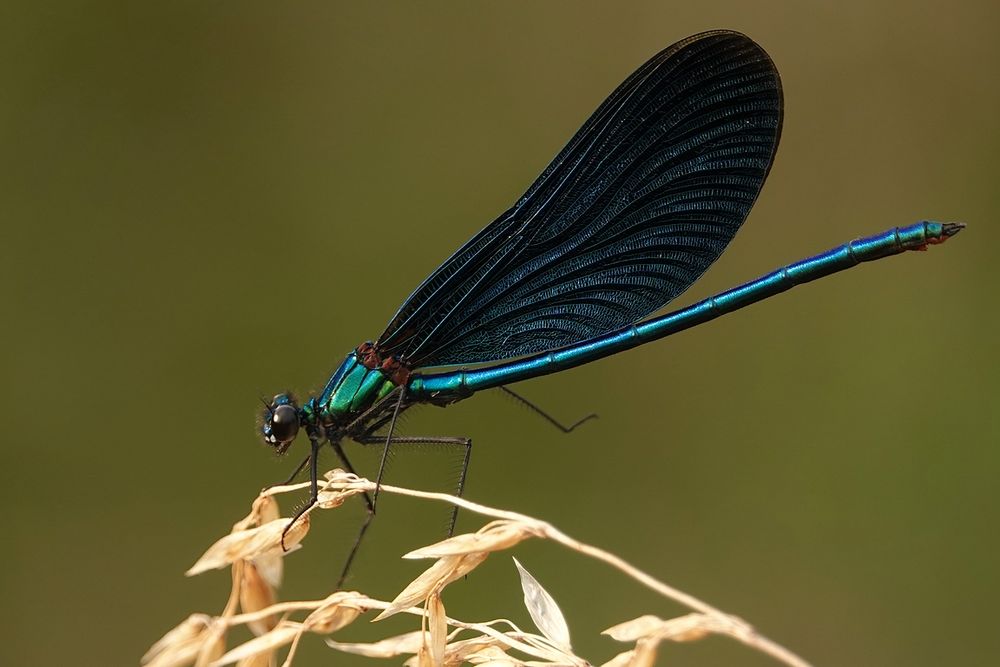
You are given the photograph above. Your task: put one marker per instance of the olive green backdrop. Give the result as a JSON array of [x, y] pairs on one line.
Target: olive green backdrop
[[203, 203]]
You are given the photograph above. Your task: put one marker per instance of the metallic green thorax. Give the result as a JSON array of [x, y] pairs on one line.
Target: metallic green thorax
[[352, 389]]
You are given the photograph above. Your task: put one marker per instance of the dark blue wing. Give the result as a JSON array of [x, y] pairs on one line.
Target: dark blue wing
[[633, 210]]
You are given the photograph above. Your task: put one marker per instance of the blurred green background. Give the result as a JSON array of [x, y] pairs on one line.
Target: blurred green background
[[204, 203]]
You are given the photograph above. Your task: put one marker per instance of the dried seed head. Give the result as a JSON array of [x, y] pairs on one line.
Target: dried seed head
[[644, 654], [623, 659], [256, 594], [423, 658], [199, 640], [271, 567], [251, 543], [331, 498], [437, 624], [475, 650], [267, 510], [263, 509], [433, 580], [330, 619], [493, 656], [260, 660], [213, 647], [183, 639], [690, 627], [406, 644], [284, 633], [494, 536], [648, 631], [633, 630], [339, 610], [544, 611]]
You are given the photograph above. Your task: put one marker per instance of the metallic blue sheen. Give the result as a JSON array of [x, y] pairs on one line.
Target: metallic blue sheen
[[349, 362], [369, 389], [457, 384], [343, 394], [631, 212], [352, 389]]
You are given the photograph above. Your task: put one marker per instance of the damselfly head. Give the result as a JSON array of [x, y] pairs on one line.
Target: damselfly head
[[281, 422]]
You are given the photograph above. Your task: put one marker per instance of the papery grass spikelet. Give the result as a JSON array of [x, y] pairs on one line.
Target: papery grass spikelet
[[332, 614], [635, 629], [185, 633], [332, 498], [270, 566], [264, 540], [422, 658], [190, 627], [494, 536], [281, 635], [644, 653], [623, 659], [649, 631], [433, 580], [437, 625], [338, 610], [542, 607], [475, 650], [255, 594], [214, 645], [263, 509], [197, 635], [259, 660], [408, 643], [690, 627]]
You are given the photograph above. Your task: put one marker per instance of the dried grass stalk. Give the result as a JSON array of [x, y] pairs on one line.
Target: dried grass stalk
[[253, 551]]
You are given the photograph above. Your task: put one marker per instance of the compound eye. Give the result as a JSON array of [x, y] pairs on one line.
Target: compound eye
[[284, 423]]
